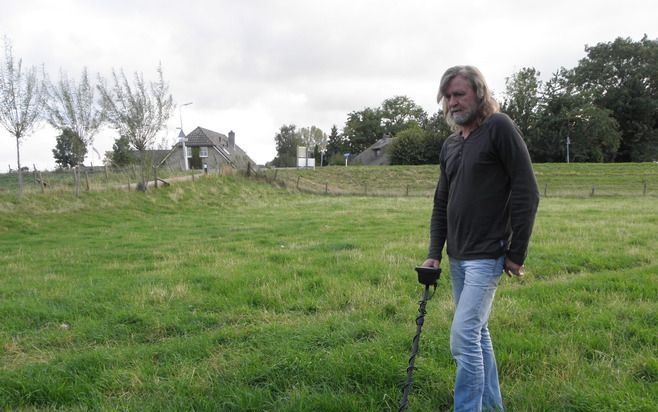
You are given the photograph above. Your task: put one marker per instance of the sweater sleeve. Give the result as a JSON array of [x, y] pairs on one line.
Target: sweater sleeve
[[439, 220], [524, 193]]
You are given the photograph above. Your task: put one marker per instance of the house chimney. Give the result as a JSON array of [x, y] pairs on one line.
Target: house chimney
[[231, 140]]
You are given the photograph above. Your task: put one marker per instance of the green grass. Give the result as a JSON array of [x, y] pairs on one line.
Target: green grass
[[229, 294]]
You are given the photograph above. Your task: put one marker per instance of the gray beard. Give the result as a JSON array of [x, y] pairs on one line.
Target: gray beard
[[463, 118]]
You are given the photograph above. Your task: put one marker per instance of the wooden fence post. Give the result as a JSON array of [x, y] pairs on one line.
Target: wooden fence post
[[87, 180], [155, 176], [326, 188], [407, 194], [76, 178], [298, 177], [593, 190], [644, 188], [546, 190], [42, 183]]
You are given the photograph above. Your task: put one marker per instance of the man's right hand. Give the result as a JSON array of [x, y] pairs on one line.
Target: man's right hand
[[431, 263], [512, 268]]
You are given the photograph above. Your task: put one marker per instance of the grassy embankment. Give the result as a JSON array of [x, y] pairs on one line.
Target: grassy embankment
[[231, 295], [96, 179], [554, 180]]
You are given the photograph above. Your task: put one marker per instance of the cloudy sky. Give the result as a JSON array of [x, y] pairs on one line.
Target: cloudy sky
[[252, 66]]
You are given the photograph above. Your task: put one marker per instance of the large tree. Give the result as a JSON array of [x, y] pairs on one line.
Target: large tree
[[569, 115], [521, 100], [137, 111], [287, 139], [622, 76], [22, 99], [72, 107], [363, 128], [399, 113], [70, 150]]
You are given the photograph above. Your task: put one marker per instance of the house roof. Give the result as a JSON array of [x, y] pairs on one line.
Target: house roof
[[371, 155], [204, 137], [381, 143]]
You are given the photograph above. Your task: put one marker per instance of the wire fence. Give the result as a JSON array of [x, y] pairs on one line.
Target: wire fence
[[103, 178], [558, 185], [91, 179]]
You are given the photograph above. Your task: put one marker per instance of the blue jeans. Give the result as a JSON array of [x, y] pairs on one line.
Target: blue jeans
[[474, 285]]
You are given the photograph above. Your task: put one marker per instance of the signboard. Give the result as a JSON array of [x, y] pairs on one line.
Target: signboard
[[306, 162]]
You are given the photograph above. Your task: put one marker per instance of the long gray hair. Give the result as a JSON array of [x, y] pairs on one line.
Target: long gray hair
[[487, 105]]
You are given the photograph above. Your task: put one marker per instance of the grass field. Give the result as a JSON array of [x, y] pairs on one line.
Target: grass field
[[233, 295]]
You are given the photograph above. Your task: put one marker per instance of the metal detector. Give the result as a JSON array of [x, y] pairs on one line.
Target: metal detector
[[428, 277]]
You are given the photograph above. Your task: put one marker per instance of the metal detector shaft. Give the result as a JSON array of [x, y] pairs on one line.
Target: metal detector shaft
[[428, 277], [420, 319]]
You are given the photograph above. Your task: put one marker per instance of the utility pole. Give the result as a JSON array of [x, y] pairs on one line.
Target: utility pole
[[568, 143]]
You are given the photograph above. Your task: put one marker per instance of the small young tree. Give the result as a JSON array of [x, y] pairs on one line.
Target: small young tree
[[138, 111], [72, 106], [22, 99], [337, 146], [70, 150], [121, 154]]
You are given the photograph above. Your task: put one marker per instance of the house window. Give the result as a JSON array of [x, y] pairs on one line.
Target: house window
[[203, 152], [189, 151]]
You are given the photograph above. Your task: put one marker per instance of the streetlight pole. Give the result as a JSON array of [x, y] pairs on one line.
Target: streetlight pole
[[182, 134], [180, 113]]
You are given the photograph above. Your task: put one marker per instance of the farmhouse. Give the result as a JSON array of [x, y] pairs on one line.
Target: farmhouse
[[206, 148], [377, 154]]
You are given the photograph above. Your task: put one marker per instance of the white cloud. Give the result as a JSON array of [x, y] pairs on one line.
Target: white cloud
[[253, 66]]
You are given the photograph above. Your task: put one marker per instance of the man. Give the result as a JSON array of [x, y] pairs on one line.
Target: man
[[484, 208]]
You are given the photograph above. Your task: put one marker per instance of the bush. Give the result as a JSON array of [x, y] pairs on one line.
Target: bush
[[408, 147]]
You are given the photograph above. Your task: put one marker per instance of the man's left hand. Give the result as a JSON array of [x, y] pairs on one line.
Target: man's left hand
[[512, 268]]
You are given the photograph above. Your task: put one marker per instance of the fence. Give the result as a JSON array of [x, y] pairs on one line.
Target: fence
[[363, 182], [86, 179], [551, 185]]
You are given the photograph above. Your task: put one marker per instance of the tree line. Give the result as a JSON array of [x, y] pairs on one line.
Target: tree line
[[603, 110], [137, 109]]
